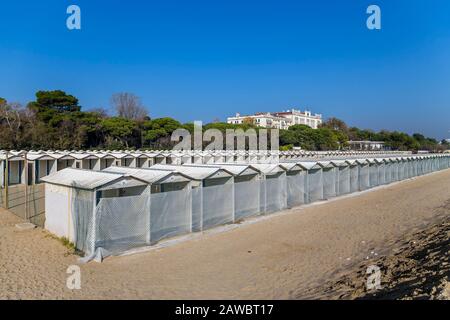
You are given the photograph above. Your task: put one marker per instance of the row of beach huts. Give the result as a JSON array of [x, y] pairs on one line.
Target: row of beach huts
[[30, 167], [118, 208]]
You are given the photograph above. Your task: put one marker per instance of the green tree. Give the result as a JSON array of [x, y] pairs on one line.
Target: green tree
[[56, 100], [121, 131]]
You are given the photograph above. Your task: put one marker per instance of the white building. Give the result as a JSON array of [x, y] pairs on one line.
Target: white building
[[279, 120]]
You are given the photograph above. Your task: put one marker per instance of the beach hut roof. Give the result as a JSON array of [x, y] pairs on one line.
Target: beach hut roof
[[90, 180], [196, 173], [39, 156], [291, 166], [121, 155], [326, 164], [151, 176], [235, 169], [361, 161], [268, 168], [340, 163], [59, 156], [308, 165]]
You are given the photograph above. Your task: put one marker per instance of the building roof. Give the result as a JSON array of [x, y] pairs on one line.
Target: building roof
[[268, 168], [291, 166], [235, 169], [308, 165], [196, 173], [86, 179], [152, 176]]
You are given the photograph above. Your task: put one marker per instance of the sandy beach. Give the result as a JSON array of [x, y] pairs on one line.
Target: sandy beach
[[419, 268], [318, 251]]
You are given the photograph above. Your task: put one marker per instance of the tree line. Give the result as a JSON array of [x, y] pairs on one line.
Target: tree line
[[55, 120], [334, 134]]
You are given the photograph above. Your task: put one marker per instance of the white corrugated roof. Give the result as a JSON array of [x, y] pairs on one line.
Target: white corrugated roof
[[149, 175], [340, 163], [197, 173], [290, 166], [308, 165], [82, 179], [235, 169], [326, 164], [39, 156], [268, 168]]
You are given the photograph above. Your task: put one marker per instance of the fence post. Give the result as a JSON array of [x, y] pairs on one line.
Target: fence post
[[149, 226], [6, 180], [26, 185]]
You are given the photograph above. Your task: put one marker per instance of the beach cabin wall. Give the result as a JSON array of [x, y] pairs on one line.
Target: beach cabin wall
[[16, 173], [273, 187], [197, 159], [64, 163], [424, 165], [106, 162], [343, 177], [394, 169], [381, 171], [43, 168], [213, 198], [296, 185], [208, 159], [109, 213], [170, 201], [406, 168], [314, 181], [185, 159], [128, 162], [91, 163], [160, 159], [142, 162], [2, 173], [364, 174], [401, 172], [218, 201], [413, 167], [373, 173], [419, 166], [77, 164], [354, 176], [219, 157], [229, 158], [239, 157], [246, 189], [329, 179]]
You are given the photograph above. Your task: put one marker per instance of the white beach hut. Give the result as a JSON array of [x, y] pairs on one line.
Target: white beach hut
[[170, 201], [212, 194], [246, 188], [98, 210]]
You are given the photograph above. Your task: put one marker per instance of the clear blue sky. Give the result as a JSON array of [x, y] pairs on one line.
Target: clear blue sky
[[200, 60]]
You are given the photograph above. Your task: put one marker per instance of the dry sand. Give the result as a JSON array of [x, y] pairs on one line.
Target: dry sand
[[291, 255], [419, 268]]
